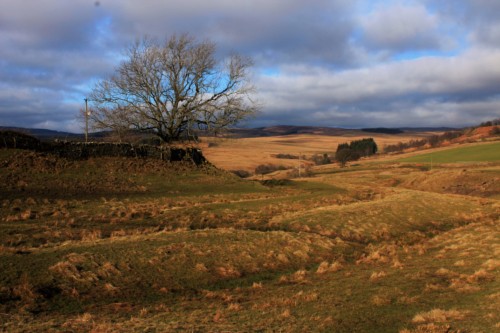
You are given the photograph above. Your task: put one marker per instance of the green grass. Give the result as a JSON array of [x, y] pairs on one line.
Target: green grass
[[139, 246], [478, 153]]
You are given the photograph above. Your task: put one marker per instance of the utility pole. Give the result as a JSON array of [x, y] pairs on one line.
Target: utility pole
[[86, 120], [300, 162]]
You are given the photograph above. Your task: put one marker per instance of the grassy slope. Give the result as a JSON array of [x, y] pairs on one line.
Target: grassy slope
[[367, 249], [489, 152], [248, 153]]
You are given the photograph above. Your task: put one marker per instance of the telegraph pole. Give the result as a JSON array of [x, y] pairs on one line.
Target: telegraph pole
[[300, 162], [86, 120]]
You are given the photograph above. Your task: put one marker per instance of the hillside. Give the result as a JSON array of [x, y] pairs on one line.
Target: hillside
[[247, 153], [128, 244], [41, 133], [283, 130]]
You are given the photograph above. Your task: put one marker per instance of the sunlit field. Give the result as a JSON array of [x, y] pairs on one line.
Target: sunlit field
[[128, 245], [248, 153]]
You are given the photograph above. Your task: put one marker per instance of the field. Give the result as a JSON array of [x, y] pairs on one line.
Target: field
[[486, 152], [132, 245], [248, 153]]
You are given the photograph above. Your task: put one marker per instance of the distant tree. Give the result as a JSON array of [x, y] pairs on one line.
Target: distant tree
[[264, 169], [321, 159], [364, 147], [355, 150], [173, 88], [433, 140], [345, 155], [241, 173], [495, 130]]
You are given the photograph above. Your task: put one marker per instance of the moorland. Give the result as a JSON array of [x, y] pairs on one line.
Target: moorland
[[406, 243]]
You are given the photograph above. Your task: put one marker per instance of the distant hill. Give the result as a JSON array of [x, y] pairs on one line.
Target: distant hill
[[383, 130], [282, 130], [286, 130], [428, 129], [279, 130], [42, 134]]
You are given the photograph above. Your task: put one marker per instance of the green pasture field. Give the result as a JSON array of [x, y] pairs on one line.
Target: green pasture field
[[488, 152]]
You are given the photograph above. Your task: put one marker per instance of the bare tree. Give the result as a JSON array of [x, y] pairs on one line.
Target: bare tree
[[173, 88]]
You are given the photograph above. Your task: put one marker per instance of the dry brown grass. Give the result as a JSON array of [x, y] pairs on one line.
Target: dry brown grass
[[248, 153], [325, 267], [431, 328], [376, 276], [439, 316]]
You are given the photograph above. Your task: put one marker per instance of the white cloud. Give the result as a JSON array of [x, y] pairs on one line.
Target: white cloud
[[401, 28], [403, 93]]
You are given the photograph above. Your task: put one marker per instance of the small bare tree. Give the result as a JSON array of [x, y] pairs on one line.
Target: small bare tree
[[173, 88]]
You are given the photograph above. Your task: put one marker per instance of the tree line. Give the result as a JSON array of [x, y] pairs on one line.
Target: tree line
[[437, 140]]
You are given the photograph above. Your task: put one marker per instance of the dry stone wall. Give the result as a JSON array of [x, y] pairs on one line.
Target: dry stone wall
[[82, 150]]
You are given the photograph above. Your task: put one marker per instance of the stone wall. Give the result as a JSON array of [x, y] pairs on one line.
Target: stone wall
[[82, 150], [17, 140]]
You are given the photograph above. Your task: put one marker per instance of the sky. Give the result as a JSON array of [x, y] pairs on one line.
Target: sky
[[336, 63]]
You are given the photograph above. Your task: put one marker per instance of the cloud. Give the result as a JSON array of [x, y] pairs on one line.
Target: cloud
[[335, 62], [426, 91], [401, 28]]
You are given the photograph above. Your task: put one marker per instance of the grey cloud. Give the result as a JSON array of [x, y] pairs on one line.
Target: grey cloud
[[317, 62], [270, 31]]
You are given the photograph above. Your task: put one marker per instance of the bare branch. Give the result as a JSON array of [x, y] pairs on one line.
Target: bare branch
[[174, 88]]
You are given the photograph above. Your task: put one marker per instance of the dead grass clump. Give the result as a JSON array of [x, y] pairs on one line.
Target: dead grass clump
[[91, 235], [468, 283], [301, 254], [107, 270], [379, 255], [462, 286], [429, 287], [22, 216], [380, 300], [227, 272], [459, 263], [491, 264], [408, 300], [83, 322], [78, 272], [218, 316], [118, 233], [286, 314], [111, 289], [257, 285], [234, 307], [200, 267], [325, 267], [480, 276], [439, 316], [431, 328], [377, 276], [28, 215], [69, 272], [209, 294], [25, 291], [299, 277], [446, 273], [308, 297], [282, 258]]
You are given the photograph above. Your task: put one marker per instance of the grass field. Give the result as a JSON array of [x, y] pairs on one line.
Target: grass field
[[131, 245], [488, 152], [248, 153]]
